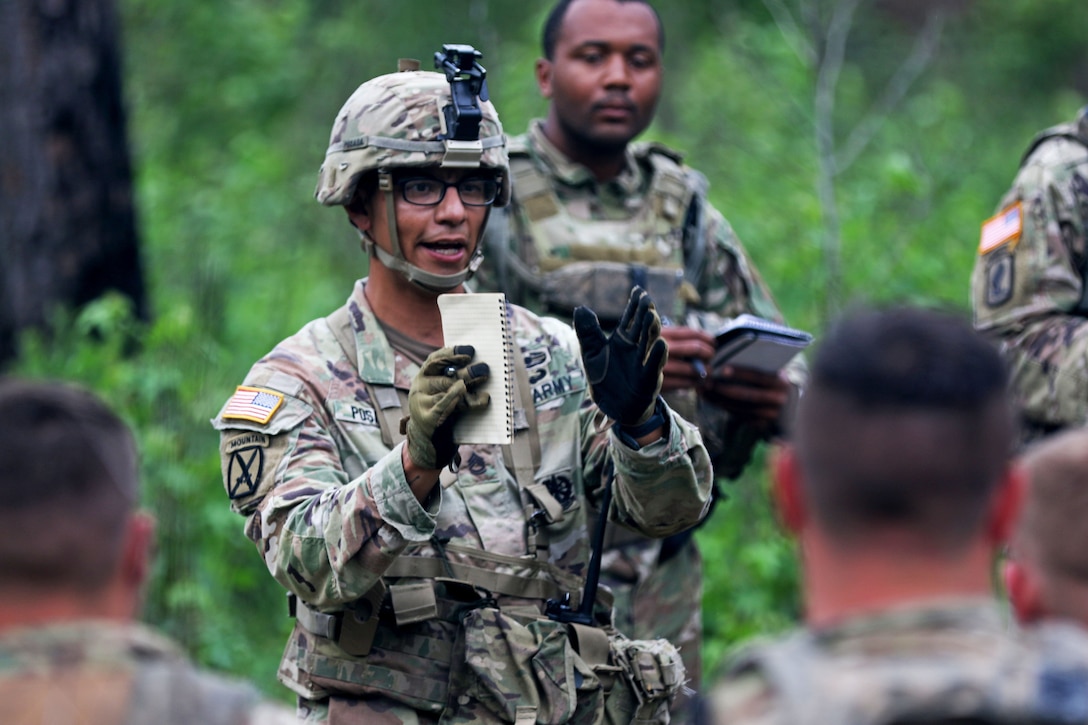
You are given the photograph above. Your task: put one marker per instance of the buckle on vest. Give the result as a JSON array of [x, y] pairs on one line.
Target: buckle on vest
[[313, 621], [353, 629], [413, 602]]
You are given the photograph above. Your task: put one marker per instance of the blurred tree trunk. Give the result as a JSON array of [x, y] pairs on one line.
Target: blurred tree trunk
[[67, 224]]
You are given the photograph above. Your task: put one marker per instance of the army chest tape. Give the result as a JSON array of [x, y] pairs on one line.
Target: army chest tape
[[591, 275], [417, 601]]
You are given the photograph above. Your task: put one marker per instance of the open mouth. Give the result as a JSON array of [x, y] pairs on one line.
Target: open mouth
[[444, 249]]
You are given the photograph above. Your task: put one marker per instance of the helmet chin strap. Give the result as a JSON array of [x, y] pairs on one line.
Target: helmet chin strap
[[427, 281]]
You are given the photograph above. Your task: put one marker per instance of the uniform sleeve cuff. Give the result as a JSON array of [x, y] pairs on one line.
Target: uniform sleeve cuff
[[629, 435]]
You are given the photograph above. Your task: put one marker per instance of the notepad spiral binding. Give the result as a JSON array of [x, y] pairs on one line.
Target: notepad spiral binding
[[508, 364]]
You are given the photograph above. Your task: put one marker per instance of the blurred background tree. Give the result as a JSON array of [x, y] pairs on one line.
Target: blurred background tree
[[67, 224], [231, 104]]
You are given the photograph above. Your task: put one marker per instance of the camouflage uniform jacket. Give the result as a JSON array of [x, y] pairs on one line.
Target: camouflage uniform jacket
[[949, 661], [1029, 287], [98, 672], [655, 214], [328, 505]]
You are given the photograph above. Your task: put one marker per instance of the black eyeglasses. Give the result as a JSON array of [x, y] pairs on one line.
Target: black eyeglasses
[[429, 191]]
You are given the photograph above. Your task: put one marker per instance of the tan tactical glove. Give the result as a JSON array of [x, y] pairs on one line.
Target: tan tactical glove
[[444, 388]]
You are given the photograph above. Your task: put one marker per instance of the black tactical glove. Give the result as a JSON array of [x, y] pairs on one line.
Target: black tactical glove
[[444, 388], [624, 369]]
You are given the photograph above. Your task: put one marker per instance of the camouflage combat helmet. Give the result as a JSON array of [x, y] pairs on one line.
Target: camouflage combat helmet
[[399, 120]]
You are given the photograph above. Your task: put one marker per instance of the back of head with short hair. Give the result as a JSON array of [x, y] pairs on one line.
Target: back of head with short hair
[[1051, 530], [68, 482], [553, 25], [905, 424]]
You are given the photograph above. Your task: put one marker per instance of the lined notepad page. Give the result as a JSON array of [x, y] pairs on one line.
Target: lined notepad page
[[480, 320]]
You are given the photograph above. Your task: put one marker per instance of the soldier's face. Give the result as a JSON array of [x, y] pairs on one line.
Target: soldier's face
[[438, 238], [605, 77]]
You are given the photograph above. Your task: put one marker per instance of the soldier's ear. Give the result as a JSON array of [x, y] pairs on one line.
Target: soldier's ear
[[787, 488], [138, 550], [359, 217], [1006, 503], [1023, 590], [543, 72]]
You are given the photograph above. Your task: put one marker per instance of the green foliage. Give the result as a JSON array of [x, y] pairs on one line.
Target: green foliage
[[750, 569], [229, 123], [209, 589]]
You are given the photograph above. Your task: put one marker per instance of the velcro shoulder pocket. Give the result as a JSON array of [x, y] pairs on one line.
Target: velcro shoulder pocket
[[258, 427]]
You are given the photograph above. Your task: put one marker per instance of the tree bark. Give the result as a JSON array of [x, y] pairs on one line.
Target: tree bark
[[67, 223]]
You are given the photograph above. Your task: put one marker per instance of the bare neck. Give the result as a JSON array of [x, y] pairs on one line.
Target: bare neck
[[36, 609], [1065, 598], [403, 306], [864, 579]]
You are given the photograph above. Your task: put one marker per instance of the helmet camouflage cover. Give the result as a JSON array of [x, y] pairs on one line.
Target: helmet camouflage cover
[[396, 121]]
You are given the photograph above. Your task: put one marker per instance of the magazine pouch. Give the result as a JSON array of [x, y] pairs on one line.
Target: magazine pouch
[[515, 672], [651, 674], [536, 670]]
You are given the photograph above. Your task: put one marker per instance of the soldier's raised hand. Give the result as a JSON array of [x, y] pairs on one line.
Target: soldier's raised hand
[[445, 387], [624, 368]]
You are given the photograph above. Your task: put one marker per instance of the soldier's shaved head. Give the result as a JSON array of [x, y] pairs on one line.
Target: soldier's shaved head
[[68, 482], [553, 25], [905, 423]]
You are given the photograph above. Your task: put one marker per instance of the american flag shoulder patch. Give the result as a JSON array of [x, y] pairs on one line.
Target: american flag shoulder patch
[[255, 404], [1005, 226]]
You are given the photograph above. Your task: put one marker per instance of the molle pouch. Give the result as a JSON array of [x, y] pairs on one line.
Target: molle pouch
[[519, 673], [605, 286], [652, 673]]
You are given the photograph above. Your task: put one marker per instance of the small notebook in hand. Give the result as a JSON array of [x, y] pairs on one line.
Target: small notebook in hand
[[480, 320], [748, 341]]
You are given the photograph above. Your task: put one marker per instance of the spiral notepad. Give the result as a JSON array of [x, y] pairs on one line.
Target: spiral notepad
[[480, 320]]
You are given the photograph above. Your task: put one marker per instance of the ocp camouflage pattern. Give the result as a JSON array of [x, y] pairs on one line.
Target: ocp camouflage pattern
[[1030, 292], [609, 227], [405, 106], [336, 522], [99, 672], [954, 661]]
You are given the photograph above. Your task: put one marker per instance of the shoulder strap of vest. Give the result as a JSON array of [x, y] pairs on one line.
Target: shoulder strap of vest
[[669, 191], [684, 189], [387, 400], [523, 453], [694, 238]]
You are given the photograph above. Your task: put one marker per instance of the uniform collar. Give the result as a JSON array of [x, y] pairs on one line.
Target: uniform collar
[[572, 173], [96, 640], [377, 359], [980, 613]]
